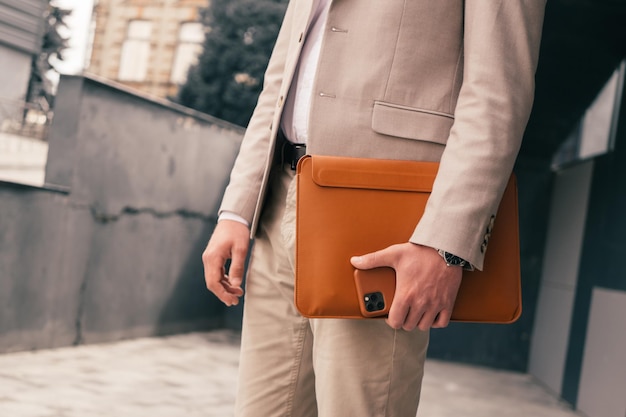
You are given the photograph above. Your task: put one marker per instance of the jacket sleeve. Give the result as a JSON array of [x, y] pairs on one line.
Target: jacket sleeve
[[244, 188], [501, 47]]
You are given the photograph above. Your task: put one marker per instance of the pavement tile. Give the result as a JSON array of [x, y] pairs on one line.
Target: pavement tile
[[452, 390], [195, 375]]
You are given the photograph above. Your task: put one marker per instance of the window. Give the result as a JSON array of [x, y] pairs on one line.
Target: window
[[136, 51], [190, 38]]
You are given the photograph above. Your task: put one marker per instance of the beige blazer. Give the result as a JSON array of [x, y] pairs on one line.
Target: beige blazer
[[448, 80]]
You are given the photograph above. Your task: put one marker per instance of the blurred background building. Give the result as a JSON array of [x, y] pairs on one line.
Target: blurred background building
[[147, 45], [21, 29], [107, 245], [22, 124]]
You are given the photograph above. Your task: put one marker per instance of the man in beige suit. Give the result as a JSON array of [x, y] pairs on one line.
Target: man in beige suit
[[446, 80]]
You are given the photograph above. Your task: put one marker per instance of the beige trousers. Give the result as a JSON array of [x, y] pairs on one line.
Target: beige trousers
[[291, 366]]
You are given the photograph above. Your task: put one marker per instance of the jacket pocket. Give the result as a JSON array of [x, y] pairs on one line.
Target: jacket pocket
[[411, 122]]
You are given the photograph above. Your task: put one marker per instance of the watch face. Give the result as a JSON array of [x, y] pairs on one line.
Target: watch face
[[454, 260]]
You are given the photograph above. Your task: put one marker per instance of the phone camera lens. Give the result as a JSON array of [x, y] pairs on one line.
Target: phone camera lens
[[374, 301]]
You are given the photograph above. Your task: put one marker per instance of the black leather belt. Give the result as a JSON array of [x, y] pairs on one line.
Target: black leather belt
[[292, 152]]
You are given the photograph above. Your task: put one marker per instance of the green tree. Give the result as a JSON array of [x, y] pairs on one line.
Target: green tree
[[228, 77], [41, 88]]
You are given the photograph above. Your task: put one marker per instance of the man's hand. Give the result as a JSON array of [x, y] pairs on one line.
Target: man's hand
[[230, 240], [426, 287]]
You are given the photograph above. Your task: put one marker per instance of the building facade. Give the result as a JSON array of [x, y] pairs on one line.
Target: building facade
[[22, 157], [147, 45], [21, 28]]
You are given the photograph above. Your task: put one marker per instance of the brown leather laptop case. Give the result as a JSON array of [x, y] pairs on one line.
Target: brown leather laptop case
[[352, 206]]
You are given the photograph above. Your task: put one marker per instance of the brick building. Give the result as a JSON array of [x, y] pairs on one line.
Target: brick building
[[146, 44]]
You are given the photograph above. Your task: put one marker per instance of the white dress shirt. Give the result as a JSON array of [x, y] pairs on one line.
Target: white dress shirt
[[295, 118]]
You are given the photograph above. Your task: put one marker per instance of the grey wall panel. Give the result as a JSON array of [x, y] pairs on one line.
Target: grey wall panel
[[15, 70], [38, 301], [62, 135], [551, 334], [32, 7], [20, 18], [21, 24], [568, 214], [603, 377], [19, 40], [158, 289], [602, 259]]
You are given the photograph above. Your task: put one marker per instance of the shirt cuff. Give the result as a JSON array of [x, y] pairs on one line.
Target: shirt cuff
[[229, 215]]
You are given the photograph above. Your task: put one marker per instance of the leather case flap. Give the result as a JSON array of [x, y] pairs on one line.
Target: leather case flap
[[329, 171]]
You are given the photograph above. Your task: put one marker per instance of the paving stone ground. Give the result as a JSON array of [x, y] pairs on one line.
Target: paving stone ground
[[195, 375]]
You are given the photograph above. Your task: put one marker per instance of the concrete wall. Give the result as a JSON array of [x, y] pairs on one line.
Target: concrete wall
[[603, 369], [560, 273], [15, 71], [594, 377], [111, 247], [579, 336]]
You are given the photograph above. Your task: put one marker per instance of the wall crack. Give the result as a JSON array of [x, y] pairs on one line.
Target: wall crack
[[103, 217]]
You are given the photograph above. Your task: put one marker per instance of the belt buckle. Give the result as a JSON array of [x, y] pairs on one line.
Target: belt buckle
[[299, 150]]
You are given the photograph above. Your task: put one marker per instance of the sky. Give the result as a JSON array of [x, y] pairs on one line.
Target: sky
[[78, 22]]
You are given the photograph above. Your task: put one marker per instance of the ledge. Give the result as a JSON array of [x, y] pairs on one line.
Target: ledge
[[104, 82], [53, 188]]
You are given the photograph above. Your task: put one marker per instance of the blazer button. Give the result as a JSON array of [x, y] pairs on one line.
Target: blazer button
[[491, 222], [280, 101], [301, 37]]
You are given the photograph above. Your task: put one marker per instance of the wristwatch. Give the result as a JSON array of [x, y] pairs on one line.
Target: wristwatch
[[453, 260]]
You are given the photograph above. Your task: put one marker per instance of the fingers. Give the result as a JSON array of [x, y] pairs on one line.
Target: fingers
[[442, 320], [408, 318], [397, 314], [426, 287], [426, 321], [235, 290], [384, 257], [215, 279], [229, 241]]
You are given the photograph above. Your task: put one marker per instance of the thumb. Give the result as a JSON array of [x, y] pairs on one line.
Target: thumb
[[372, 260]]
